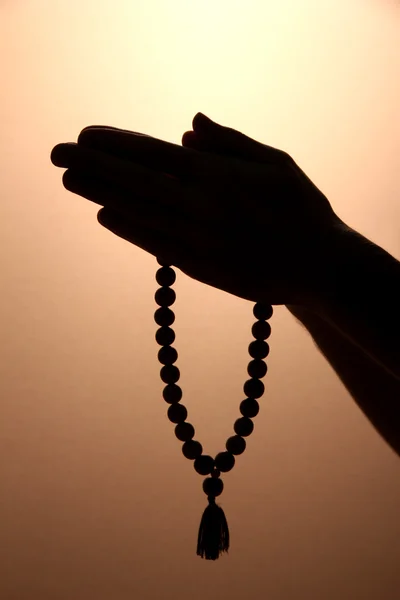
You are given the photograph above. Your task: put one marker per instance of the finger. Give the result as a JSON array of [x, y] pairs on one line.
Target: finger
[[110, 127], [132, 177], [93, 189], [154, 228], [116, 197], [144, 149], [155, 217], [225, 139]]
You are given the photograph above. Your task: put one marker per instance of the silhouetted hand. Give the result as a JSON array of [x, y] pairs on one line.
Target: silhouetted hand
[[257, 228]]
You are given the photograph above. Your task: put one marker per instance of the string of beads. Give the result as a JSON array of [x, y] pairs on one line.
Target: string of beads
[[172, 393]]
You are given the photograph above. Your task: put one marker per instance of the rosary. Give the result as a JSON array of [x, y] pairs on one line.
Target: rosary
[[213, 538]]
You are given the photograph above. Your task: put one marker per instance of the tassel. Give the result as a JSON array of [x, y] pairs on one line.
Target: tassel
[[213, 536]]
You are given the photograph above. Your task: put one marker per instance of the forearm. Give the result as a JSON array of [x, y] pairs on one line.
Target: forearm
[[359, 295], [376, 392]]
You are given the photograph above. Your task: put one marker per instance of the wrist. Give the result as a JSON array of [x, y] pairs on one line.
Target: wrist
[[359, 295], [327, 258], [347, 270]]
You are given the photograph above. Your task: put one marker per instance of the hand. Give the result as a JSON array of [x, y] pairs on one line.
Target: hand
[[209, 136], [247, 221]]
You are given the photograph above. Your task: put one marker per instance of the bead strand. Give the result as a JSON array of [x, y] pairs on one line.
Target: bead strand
[[177, 413], [167, 355]]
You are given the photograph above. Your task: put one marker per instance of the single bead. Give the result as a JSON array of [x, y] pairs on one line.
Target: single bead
[[235, 444], [165, 336], [261, 330], [258, 349], [170, 374], [204, 464], [249, 408], [253, 388], [192, 449], [215, 473], [165, 276], [257, 368], [165, 296], [177, 413], [164, 316], [243, 426], [213, 486], [172, 393], [224, 461], [263, 311], [167, 355], [184, 432]]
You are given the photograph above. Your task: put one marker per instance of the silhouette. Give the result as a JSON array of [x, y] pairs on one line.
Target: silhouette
[[243, 217]]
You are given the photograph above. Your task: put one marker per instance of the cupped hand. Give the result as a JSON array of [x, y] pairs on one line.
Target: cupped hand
[[226, 210]]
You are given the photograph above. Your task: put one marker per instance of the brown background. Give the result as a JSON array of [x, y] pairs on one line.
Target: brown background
[[97, 501]]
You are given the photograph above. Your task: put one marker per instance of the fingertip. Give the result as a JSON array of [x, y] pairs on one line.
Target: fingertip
[[200, 120], [54, 155], [67, 180], [107, 217], [196, 120], [188, 137], [58, 154], [100, 216]]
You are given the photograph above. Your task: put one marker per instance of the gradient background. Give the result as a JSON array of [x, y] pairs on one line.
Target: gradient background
[[97, 500]]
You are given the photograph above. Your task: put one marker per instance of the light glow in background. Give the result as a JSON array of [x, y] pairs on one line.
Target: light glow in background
[[97, 498]]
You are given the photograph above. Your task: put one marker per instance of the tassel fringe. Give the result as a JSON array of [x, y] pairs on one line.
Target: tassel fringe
[[213, 536]]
